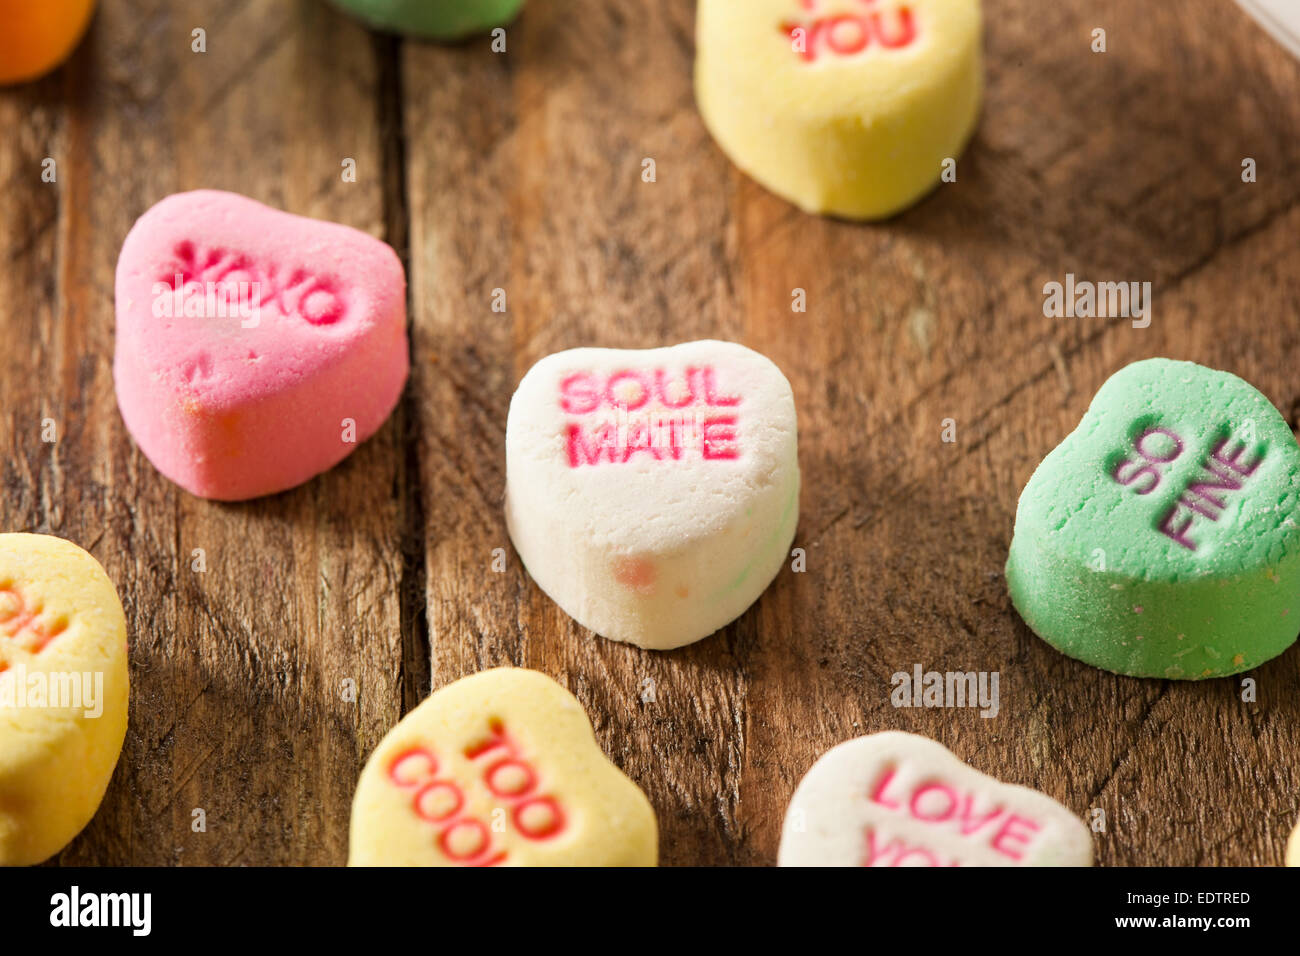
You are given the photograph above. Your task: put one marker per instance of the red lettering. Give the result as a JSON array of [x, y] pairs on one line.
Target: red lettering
[[579, 394], [639, 439], [495, 739], [720, 438], [17, 618], [612, 392], [878, 795], [581, 452], [711, 396], [469, 829], [848, 34], [651, 416], [411, 778], [930, 858], [441, 802], [872, 853], [902, 37], [438, 800], [900, 851], [551, 819], [860, 34], [968, 818], [524, 785], [663, 387], [920, 792]]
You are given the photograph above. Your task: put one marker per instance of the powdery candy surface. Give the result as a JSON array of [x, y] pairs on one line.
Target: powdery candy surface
[[63, 693], [653, 494], [498, 769], [278, 350], [844, 107], [899, 799], [1160, 539]]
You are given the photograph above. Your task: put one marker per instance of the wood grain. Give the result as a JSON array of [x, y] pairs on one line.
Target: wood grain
[[237, 672], [521, 171]]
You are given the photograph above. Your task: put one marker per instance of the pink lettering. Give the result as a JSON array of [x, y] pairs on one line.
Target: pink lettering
[[1009, 833], [895, 852], [612, 392], [872, 853], [639, 439], [720, 438], [711, 396], [949, 809], [971, 824], [663, 390], [581, 452], [579, 394], [878, 795]]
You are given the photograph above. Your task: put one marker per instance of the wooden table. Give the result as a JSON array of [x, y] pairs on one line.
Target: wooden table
[[523, 172]]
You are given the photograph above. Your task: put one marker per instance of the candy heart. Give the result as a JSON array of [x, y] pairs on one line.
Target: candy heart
[[63, 693], [897, 799], [434, 19], [653, 494], [1293, 847], [500, 768], [849, 107], [255, 349], [1160, 538], [37, 37]]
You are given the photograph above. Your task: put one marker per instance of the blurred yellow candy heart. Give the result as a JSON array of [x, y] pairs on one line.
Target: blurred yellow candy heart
[[63, 693], [500, 768]]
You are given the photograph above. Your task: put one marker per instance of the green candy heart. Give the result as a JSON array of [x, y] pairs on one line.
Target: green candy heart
[[433, 19], [1160, 539]]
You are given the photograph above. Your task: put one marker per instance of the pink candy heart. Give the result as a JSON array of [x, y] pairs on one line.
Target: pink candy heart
[[255, 348]]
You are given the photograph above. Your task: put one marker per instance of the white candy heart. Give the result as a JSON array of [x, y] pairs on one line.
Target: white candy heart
[[653, 494], [898, 799]]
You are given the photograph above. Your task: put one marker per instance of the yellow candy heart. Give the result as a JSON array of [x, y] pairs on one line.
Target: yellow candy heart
[[63, 693], [500, 768], [853, 108]]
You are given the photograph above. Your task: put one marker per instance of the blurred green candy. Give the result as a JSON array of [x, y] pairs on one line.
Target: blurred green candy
[[433, 19]]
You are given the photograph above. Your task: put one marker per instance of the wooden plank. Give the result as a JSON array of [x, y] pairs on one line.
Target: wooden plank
[[1122, 165], [522, 172], [237, 703]]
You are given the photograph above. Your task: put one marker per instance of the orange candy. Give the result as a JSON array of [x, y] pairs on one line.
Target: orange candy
[[38, 35]]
